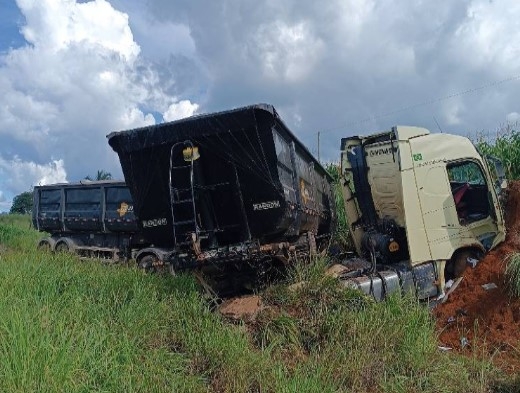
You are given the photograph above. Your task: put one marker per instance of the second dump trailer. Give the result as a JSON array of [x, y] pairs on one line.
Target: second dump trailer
[[90, 218]]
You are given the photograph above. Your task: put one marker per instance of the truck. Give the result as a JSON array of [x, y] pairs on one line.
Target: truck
[[235, 192], [94, 219], [238, 188], [226, 193], [420, 206]]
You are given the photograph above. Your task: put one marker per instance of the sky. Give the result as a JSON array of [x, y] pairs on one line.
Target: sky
[[73, 71]]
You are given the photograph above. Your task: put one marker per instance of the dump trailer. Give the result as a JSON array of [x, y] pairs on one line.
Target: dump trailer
[[91, 218], [233, 188], [420, 207]]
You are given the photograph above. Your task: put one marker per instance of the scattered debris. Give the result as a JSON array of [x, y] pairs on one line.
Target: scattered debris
[[451, 319], [472, 262], [452, 288], [336, 270], [444, 349], [489, 285], [242, 308], [464, 342]]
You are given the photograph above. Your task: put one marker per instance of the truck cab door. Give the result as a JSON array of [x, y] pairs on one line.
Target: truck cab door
[[475, 202]]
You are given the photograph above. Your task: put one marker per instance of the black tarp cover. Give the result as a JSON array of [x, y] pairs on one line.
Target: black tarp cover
[[237, 141]]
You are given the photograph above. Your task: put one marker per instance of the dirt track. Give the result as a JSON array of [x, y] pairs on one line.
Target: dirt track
[[486, 322]]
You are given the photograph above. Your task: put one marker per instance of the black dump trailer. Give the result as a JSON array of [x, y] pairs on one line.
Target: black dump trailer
[[90, 218], [235, 187]]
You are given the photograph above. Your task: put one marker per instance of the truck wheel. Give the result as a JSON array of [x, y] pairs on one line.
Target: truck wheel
[[62, 247], [458, 263], [149, 264], [44, 246]]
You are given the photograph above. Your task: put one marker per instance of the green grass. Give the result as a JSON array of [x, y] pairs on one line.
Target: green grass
[[72, 326], [512, 272]]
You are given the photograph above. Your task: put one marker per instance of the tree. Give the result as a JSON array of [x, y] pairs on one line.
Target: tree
[[100, 175], [22, 203]]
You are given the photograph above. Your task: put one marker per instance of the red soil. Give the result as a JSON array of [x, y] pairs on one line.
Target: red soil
[[488, 320]]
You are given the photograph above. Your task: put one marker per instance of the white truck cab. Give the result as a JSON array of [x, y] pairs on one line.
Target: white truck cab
[[420, 202]]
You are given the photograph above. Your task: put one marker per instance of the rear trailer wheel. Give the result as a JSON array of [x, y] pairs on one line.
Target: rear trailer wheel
[[62, 247], [151, 264], [44, 245]]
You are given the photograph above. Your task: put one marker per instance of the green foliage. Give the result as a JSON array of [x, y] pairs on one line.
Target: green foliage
[[340, 340], [341, 235], [512, 272], [16, 232], [100, 175], [505, 145], [334, 170], [22, 203], [75, 326]]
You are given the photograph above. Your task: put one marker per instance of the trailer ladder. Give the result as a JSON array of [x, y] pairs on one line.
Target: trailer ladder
[[182, 197]]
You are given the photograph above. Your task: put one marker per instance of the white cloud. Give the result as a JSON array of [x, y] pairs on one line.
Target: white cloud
[[325, 66], [287, 51], [22, 175], [133, 118], [513, 117], [60, 24], [180, 110], [80, 76], [452, 112], [490, 34]]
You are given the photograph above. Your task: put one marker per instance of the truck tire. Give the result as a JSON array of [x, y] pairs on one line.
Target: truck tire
[[148, 264], [44, 245], [62, 247], [457, 265]]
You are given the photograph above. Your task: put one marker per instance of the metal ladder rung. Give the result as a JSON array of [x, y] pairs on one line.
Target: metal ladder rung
[[185, 222], [182, 167], [181, 189], [181, 201]]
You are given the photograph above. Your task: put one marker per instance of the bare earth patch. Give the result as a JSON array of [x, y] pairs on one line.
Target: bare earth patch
[[244, 308], [480, 318]]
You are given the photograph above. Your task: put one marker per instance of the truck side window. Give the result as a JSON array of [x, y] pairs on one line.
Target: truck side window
[[469, 190]]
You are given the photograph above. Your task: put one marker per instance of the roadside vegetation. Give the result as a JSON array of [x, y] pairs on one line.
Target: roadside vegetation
[[513, 273], [75, 326], [504, 144]]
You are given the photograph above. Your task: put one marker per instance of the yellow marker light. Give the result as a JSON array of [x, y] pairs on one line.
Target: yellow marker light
[[191, 154]]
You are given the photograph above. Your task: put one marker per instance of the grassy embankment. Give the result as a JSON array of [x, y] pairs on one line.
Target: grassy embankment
[[75, 326]]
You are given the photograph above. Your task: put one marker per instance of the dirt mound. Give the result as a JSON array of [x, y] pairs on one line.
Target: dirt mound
[[244, 308], [480, 319]]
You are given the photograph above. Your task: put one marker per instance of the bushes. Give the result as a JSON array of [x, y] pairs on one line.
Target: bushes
[[505, 145]]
